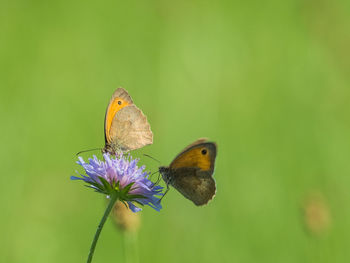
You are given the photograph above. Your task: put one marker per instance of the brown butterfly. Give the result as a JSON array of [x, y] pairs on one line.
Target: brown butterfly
[[126, 127], [191, 172]]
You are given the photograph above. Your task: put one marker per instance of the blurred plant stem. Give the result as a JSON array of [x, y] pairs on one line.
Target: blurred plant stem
[[128, 224], [113, 199], [130, 247]]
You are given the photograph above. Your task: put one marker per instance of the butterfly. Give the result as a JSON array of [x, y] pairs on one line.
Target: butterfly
[[126, 127], [191, 172]]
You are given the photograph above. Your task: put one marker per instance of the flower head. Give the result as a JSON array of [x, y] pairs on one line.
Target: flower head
[[121, 175]]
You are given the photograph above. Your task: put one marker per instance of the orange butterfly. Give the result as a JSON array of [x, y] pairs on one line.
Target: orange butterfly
[[191, 172], [126, 127]]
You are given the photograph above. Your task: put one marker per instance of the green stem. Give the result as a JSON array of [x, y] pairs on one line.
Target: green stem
[[113, 199]]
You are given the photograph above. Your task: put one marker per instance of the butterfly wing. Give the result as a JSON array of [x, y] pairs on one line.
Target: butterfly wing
[[130, 129], [119, 100], [191, 172], [197, 186], [126, 127], [200, 154]]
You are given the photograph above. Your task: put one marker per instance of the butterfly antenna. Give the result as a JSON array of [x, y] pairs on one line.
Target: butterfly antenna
[[88, 151], [156, 182], [152, 158], [158, 179]]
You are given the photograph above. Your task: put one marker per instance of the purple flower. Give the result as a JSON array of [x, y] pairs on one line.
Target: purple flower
[[121, 174]]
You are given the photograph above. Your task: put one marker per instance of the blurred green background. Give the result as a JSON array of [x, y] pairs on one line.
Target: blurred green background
[[269, 81]]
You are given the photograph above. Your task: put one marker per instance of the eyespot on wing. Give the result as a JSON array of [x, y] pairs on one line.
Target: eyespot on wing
[[200, 156], [118, 101]]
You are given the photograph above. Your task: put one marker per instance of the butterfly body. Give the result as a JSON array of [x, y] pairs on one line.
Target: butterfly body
[[191, 172], [126, 127]]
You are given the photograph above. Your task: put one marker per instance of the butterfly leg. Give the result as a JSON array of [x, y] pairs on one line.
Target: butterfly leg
[[158, 179], [166, 191]]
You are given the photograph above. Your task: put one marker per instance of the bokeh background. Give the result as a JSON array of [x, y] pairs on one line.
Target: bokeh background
[[269, 81]]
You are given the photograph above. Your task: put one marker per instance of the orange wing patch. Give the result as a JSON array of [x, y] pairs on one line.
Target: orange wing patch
[[113, 108], [195, 157]]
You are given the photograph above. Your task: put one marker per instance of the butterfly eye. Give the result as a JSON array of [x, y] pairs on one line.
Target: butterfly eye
[[119, 102], [204, 151]]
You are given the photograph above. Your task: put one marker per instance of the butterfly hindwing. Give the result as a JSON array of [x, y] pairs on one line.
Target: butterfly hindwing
[[130, 129], [197, 186]]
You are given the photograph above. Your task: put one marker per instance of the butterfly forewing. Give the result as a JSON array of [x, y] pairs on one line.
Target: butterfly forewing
[[119, 100], [201, 155]]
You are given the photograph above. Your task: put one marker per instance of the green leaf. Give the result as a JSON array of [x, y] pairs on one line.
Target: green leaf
[[96, 189], [131, 197], [97, 185], [106, 185], [127, 188]]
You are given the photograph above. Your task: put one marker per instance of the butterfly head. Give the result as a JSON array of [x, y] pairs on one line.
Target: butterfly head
[[111, 149], [108, 149], [165, 172]]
